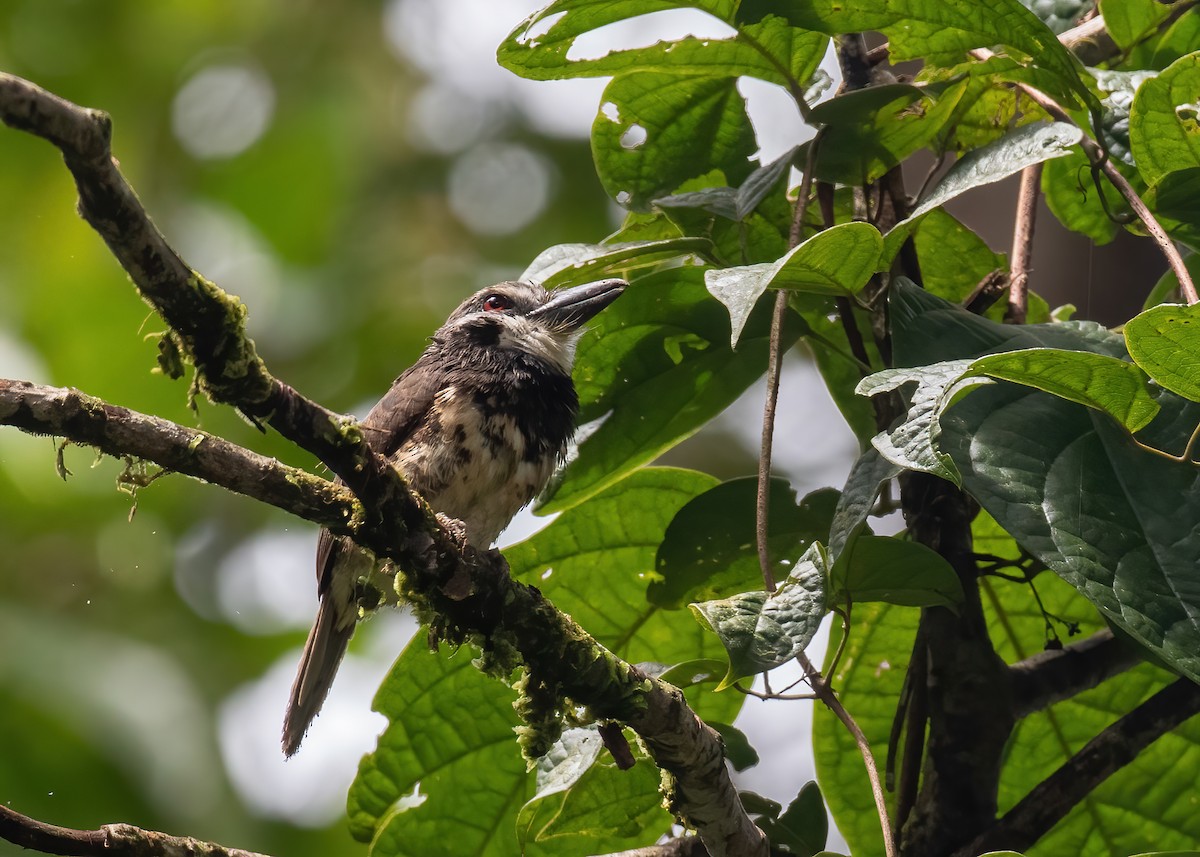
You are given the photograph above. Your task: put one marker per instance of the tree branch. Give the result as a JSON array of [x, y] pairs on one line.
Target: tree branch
[[684, 846], [1103, 756], [121, 432], [472, 594], [111, 840], [1058, 674]]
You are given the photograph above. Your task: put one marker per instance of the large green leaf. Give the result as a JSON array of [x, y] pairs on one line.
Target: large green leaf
[[570, 264], [655, 366], [1024, 147], [761, 631], [1096, 380], [939, 29], [595, 561], [450, 733], [1146, 803], [709, 550], [1113, 520], [1128, 21], [837, 261], [585, 803], [655, 131], [881, 568], [1165, 341], [1164, 124], [770, 49]]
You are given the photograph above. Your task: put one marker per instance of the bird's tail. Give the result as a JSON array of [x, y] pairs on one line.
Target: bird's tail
[[323, 653]]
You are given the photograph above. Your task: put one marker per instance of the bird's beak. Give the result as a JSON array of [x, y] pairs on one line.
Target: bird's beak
[[569, 309]]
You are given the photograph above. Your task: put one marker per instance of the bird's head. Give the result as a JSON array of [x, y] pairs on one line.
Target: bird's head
[[526, 318]]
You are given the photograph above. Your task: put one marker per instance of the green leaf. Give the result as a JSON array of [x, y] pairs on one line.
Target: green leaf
[[1113, 520], [1165, 341], [655, 366], [655, 131], [867, 132], [449, 733], [571, 264], [739, 752], [1073, 198], [803, 827], [584, 802], [770, 50], [1129, 21], [1164, 125], [866, 477], [881, 568], [709, 550], [1024, 147], [760, 182], [838, 261], [613, 539], [954, 260], [1059, 15], [761, 631], [934, 30], [1096, 380], [913, 443]]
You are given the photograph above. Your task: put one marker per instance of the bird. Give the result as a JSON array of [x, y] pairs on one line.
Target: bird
[[476, 426]]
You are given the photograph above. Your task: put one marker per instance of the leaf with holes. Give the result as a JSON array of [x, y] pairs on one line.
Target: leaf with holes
[[655, 131], [1165, 341], [540, 47], [761, 631]]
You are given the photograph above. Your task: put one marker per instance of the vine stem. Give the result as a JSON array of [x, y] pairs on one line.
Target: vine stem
[[1022, 250], [1099, 158], [825, 693], [821, 688]]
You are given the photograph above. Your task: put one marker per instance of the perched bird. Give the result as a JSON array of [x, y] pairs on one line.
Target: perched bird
[[476, 426]]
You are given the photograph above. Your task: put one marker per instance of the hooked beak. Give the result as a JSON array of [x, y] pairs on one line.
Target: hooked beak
[[569, 309]]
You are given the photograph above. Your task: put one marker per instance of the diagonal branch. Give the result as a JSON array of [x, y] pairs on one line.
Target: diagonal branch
[[472, 594], [1059, 674], [1103, 756], [111, 840]]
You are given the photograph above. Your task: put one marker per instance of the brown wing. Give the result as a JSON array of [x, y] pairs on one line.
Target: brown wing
[[386, 427]]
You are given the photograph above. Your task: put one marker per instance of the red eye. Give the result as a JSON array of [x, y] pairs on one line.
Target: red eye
[[497, 303]]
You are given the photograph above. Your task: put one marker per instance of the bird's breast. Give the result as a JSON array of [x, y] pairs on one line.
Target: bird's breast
[[473, 458]]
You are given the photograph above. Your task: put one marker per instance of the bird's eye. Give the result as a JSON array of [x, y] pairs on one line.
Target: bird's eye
[[497, 303]]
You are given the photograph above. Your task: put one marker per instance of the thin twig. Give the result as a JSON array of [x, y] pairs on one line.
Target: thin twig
[[825, 693], [1099, 158], [1022, 248], [774, 361]]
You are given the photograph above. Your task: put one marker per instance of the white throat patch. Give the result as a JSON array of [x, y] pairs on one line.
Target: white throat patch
[[557, 349]]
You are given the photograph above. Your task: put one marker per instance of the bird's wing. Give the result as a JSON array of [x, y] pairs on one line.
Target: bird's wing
[[385, 428]]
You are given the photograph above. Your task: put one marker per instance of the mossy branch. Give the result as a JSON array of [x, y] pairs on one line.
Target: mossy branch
[[471, 595]]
